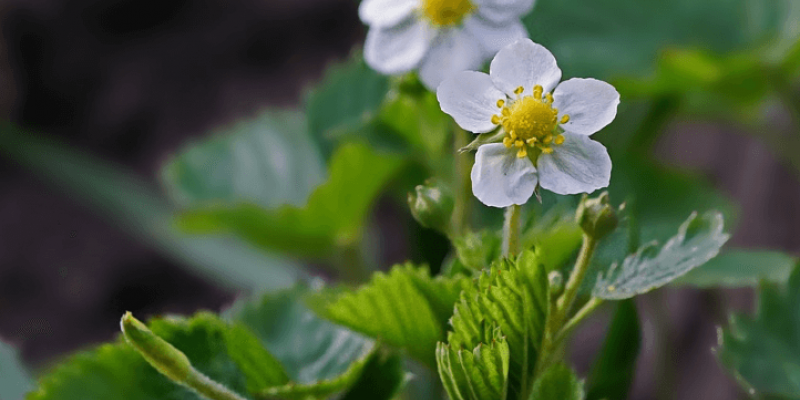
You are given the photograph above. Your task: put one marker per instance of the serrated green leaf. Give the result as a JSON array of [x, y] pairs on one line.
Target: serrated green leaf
[[558, 382], [334, 215], [513, 296], [740, 268], [349, 94], [261, 368], [763, 352], [405, 308], [478, 374], [698, 240], [382, 378], [14, 378], [613, 371], [269, 160], [138, 207]]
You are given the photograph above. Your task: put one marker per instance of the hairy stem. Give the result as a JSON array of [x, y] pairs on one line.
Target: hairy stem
[[511, 231], [579, 316]]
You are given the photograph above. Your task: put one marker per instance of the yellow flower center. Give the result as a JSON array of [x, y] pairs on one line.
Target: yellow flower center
[[447, 12], [530, 122]]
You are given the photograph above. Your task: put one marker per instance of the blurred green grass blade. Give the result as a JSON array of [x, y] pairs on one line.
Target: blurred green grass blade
[[269, 160], [741, 268], [14, 379], [763, 352], [613, 371], [138, 207]]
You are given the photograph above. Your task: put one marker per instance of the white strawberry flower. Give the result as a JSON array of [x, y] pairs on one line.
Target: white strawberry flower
[[545, 135], [438, 37]]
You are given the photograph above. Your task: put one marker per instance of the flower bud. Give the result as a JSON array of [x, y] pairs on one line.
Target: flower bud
[[556, 283], [432, 205], [596, 216], [161, 355]]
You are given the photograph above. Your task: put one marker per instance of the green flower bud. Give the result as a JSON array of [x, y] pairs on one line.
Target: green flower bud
[[161, 355], [596, 216], [556, 283], [432, 205]]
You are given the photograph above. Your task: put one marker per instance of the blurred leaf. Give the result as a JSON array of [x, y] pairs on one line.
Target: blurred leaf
[[383, 377], [478, 374], [652, 266], [334, 215], [739, 268], [613, 371], [405, 308], [419, 119], [303, 343], [349, 94], [511, 295], [764, 352], [477, 250], [14, 378], [623, 37], [137, 206], [557, 383], [319, 359], [555, 235], [269, 160]]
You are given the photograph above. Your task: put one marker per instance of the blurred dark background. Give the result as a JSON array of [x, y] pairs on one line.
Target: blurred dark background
[[131, 81]]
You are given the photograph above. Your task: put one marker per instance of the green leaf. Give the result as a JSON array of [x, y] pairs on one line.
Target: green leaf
[[477, 250], [14, 378], [382, 378], [763, 352], [623, 37], [418, 118], [613, 371], [513, 296], [269, 160], [740, 268], [405, 308], [555, 235], [302, 342], [558, 382], [276, 348], [137, 206], [478, 374], [334, 216], [652, 266], [349, 94]]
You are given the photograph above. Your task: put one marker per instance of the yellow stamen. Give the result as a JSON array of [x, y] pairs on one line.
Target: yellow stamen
[[559, 140], [547, 150], [506, 112], [522, 153], [496, 119], [508, 142], [548, 139], [500, 103], [513, 135], [519, 90], [565, 119], [446, 12], [548, 98], [519, 143], [531, 140]]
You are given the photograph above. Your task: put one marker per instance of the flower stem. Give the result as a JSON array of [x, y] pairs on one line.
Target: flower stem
[[511, 231], [576, 277], [579, 316], [461, 182]]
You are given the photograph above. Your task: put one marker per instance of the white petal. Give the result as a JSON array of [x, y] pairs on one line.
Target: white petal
[[471, 99], [590, 104], [452, 51], [386, 12], [524, 63], [397, 49], [502, 11], [579, 165], [491, 37], [500, 178]]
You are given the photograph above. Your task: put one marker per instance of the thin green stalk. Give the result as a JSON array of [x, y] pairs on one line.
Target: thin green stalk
[[579, 316], [576, 277], [461, 182], [511, 231], [210, 389]]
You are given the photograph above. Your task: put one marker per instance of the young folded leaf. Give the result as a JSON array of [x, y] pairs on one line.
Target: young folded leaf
[[479, 374], [513, 296], [698, 240], [405, 308]]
